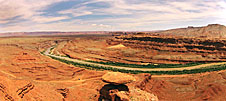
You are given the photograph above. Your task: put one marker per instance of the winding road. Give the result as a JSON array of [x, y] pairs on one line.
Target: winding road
[[128, 68]]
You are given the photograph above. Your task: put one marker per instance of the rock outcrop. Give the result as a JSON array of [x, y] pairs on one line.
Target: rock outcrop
[[117, 78], [117, 90]]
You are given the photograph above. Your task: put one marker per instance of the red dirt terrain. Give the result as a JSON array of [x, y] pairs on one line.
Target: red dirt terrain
[[26, 75]]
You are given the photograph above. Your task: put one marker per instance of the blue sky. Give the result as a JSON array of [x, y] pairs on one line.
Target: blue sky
[[108, 15]]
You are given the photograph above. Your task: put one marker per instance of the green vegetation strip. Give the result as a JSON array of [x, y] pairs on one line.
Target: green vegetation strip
[[42, 52], [176, 72], [149, 65], [51, 49]]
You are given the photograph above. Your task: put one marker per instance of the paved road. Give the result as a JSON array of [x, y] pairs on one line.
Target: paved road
[[128, 68]]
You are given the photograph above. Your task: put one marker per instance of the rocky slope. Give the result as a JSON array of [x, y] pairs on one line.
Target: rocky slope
[[210, 31], [176, 49]]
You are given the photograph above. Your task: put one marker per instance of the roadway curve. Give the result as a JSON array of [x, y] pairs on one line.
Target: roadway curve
[[128, 68]]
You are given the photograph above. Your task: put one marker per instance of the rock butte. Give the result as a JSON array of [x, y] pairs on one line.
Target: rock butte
[[117, 78]]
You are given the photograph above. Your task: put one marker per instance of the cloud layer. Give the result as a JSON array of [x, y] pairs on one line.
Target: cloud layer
[[91, 15]]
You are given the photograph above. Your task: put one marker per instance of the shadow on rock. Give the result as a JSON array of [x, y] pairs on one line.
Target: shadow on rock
[[108, 92]]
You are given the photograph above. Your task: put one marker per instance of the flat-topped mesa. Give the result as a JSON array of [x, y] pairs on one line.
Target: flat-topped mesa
[[215, 25], [117, 78]]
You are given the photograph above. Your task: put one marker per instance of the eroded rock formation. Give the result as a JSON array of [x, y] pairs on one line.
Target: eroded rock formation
[[117, 90], [117, 78], [175, 49]]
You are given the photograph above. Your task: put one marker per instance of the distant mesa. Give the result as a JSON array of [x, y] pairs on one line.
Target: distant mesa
[[190, 26], [215, 25], [53, 33], [209, 31]]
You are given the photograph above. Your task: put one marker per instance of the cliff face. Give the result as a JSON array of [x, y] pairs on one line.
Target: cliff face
[[210, 31], [176, 49]]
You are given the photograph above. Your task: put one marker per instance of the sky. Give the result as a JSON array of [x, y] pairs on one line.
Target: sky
[[108, 15]]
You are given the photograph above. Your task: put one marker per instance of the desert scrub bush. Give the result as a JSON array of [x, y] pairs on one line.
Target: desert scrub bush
[[42, 52], [51, 49]]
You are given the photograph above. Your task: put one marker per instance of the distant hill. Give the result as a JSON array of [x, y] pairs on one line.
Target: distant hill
[[51, 33], [210, 31]]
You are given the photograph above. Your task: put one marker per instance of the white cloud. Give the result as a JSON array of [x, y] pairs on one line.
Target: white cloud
[[146, 13], [25, 9], [3, 22], [42, 19], [122, 14], [222, 13], [77, 12]]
